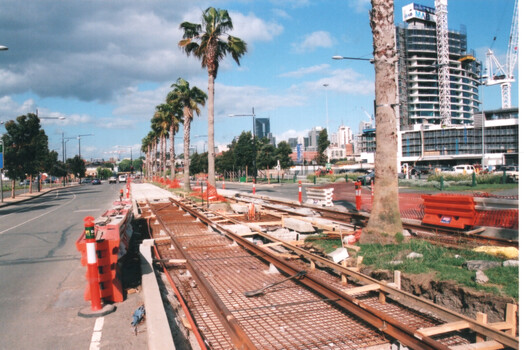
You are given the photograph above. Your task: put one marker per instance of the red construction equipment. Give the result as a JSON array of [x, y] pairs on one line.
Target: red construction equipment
[[92, 268], [111, 235], [455, 211], [358, 195]]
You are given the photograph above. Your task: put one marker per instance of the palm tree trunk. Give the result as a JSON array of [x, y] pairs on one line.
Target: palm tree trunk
[[155, 153], [172, 150], [384, 222], [187, 129], [148, 161], [164, 151], [211, 131]]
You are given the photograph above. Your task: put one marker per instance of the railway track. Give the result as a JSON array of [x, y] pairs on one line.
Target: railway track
[[440, 235], [213, 267]]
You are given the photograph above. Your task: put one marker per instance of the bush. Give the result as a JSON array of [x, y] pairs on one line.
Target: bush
[[460, 179]]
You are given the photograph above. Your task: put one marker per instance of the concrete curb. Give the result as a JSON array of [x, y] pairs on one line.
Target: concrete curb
[[158, 331], [38, 194]]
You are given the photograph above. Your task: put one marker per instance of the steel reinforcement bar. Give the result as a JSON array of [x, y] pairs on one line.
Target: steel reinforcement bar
[[393, 293], [406, 335]]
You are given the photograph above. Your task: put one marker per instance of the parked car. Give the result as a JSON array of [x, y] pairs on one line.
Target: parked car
[[96, 182], [464, 169], [512, 172], [85, 181], [366, 179], [122, 178], [112, 180]]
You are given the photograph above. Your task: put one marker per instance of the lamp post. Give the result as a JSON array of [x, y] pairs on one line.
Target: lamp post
[[254, 140], [79, 137], [327, 117], [131, 152], [59, 118], [370, 60]]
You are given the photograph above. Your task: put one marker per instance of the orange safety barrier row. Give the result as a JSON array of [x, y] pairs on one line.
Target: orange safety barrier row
[[210, 193], [113, 232], [455, 211], [498, 218]]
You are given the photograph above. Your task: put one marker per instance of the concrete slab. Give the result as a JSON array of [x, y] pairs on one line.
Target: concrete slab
[[238, 229], [298, 225]]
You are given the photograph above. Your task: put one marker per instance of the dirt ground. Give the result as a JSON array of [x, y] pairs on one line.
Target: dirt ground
[[465, 301]]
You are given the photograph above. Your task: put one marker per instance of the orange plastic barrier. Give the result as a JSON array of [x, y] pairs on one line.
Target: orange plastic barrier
[[113, 232], [449, 210]]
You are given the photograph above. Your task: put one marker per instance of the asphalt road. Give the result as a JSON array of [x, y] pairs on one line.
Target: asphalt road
[[42, 280]]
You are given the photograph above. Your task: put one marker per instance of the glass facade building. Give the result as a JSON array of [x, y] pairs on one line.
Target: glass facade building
[[418, 80]]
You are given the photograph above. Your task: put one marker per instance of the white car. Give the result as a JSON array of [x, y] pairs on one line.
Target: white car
[[122, 178], [464, 169]]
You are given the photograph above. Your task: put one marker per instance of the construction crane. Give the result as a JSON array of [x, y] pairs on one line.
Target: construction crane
[[503, 75], [441, 14]]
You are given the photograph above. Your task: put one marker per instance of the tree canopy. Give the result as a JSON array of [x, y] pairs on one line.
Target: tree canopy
[[26, 150]]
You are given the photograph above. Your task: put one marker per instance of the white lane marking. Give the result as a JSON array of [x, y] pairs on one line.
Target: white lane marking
[[97, 334], [85, 210], [39, 216]]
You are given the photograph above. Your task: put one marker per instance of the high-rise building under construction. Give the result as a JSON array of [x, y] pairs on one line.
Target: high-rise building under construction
[[418, 72]]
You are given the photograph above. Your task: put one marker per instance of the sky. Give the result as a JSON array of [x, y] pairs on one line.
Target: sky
[[105, 65]]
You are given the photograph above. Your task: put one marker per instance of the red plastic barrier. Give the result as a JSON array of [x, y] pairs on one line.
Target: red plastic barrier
[[113, 232], [449, 210]]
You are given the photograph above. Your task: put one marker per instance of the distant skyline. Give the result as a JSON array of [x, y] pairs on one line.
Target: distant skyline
[[104, 66]]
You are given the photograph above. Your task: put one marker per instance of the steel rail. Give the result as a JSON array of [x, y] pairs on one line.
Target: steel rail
[[238, 337], [361, 218], [376, 318], [394, 293]]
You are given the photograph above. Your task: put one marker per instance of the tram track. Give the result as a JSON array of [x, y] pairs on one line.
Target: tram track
[[439, 235], [330, 307]]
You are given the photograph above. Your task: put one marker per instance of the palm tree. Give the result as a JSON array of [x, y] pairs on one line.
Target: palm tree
[[384, 222], [176, 117], [156, 130], [146, 149], [210, 43], [189, 99], [160, 123]]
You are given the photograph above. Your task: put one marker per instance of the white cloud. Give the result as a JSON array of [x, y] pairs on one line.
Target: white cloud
[[292, 3], [360, 5], [313, 41], [341, 80], [281, 13], [291, 133], [250, 28], [305, 71]]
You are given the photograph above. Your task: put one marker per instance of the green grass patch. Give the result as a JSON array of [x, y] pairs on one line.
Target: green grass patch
[[444, 263]]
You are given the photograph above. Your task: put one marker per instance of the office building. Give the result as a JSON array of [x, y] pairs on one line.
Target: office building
[[418, 79], [262, 127]]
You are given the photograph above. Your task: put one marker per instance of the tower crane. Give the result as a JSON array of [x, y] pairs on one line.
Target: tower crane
[[441, 14], [503, 74]]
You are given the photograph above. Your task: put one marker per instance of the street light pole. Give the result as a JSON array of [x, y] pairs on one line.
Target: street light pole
[[327, 117], [254, 140], [79, 137]]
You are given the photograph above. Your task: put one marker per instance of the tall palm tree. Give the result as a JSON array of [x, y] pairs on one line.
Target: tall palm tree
[[176, 116], [157, 132], [146, 149], [210, 43], [384, 222], [162, 119], [189, 99]]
